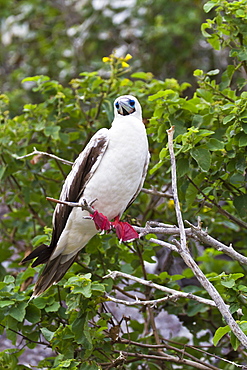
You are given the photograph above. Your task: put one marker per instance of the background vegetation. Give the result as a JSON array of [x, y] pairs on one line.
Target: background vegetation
[[188, 70]]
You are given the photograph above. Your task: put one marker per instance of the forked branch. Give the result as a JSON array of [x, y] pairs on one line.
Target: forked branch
[[189, 261]]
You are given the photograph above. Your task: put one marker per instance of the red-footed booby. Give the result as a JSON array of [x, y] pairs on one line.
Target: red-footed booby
[[109, 172]]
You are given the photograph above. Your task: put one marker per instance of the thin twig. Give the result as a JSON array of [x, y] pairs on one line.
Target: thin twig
[[152, 303], [209, 240], [156, 192], [114, 274], [166, 357], [37, 152], [84, 205], [194, 232], [175, 349], [225, 213]]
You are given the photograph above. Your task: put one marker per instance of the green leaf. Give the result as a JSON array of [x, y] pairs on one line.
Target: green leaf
[[220, 332], [240, 203], [202, 157], [18, 312], [192, 190], [242, 140], [182, 166], [98, 287], [226, 77], [80, 328], [234, 341], [194, 308], [40, 78], [215, 41], [228, 283], [48, 334], [4, 303], [53, 307], [142, 75], [228, 118], [33, 313], [213, 72], [162, 94], [214, 144], [52, 131], [9, 279], [198, 73], [39, 239], [163, 153], [208, 6]]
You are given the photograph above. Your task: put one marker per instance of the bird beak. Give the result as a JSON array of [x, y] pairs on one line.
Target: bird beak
[[124, 108]]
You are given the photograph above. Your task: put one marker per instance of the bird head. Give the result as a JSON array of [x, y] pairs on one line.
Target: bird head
[[126, 105]]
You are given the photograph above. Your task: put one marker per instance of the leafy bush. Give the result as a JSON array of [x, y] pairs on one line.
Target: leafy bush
[[74, 318]]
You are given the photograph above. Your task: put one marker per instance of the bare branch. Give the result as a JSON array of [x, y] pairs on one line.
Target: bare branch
[[156, 192], [164, 244], [152, 303], [166, 357], [114, 274], [186, 256], [207, 239], [194, 232], [221, 210], [84, 205], [175, 349], [183, 241], [37, 152]]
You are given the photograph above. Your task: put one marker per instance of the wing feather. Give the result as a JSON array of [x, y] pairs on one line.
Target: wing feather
[[82, 171]]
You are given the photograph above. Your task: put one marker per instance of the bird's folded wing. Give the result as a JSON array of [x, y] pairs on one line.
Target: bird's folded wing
[[83, 169]]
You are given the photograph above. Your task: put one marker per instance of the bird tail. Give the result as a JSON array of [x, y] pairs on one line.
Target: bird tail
[[53, 272], [43, 252], [54, 269]]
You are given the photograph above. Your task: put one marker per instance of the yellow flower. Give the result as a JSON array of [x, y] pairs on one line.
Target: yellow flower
[[170, 203], [128, 57], [125, 65], [106, 59]]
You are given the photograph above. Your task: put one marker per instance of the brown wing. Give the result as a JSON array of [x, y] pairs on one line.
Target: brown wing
[[82, 170]]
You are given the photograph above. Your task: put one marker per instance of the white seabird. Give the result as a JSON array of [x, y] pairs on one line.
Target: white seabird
[[111, 169]]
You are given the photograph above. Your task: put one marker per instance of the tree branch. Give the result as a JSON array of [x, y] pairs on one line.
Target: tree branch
[[225, 213], [84, 205], [194, 232], [152, 303], [186, 256], [166, 357], [167, 346], [114, 274], [209, 240], [37, 152]]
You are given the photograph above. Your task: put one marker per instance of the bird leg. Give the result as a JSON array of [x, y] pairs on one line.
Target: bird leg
[[125, 232], [101, 221]]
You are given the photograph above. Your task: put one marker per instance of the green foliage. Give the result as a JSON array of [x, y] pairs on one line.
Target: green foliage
[[61, 40], [73, 318]]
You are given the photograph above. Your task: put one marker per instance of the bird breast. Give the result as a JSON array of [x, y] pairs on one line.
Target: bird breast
[[119, 173]]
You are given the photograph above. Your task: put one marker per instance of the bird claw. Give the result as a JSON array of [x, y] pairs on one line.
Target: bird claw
[[101, 221], [125, 232]]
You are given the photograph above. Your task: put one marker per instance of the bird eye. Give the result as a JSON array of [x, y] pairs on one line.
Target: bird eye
[[132, 103], [117, 105]]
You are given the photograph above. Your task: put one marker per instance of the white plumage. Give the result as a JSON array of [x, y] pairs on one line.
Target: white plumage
[[111, 169]]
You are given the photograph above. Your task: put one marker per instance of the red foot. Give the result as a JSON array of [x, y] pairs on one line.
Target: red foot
[[125, 232], [101, 221]]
